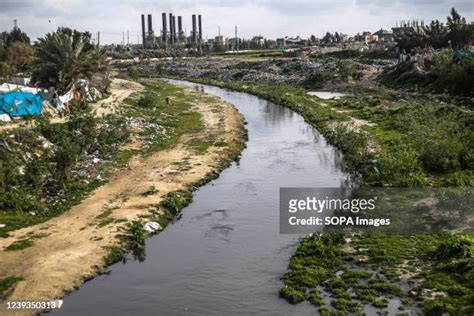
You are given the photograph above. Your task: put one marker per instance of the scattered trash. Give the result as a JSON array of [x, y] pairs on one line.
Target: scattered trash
[[5, 118], [2, 225], [152, 227]]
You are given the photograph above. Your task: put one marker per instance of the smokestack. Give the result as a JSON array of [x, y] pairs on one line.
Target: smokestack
[[174, 29], [180, 25], [143, 29], [171, 28], [165, 31], [150, 26], [194, 33], [200, 28]]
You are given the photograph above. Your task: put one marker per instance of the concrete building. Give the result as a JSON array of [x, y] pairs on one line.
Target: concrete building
[[384, 35], [257, 42], [281, 42]]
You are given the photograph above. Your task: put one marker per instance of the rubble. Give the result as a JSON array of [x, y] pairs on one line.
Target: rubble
[[294, 71]]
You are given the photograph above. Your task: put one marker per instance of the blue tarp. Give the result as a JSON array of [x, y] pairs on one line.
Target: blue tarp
[[18, 103]]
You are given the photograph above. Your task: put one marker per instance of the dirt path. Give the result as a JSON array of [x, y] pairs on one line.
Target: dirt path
[[72, 246]]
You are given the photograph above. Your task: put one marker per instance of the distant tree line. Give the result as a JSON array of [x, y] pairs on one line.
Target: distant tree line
[[456, 33]]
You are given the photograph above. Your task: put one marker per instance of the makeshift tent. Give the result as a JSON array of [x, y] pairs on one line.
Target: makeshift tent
[[8, 87], [18, 103]]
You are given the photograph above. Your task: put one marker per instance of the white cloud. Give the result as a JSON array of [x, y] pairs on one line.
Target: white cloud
[[270, 18]]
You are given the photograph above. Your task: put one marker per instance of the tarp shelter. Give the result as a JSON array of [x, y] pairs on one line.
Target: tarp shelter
[[18, 103], [8, 87]]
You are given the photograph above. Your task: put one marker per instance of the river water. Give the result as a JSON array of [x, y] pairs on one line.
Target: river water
[[225, 256]]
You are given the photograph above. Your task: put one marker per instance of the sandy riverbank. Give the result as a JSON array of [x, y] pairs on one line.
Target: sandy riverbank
[[71, 246]]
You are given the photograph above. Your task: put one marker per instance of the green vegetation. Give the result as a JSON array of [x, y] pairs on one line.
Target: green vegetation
[[165, 124], [319, 261], [175, 201], [445, 75], [19, 245], [400, 155], [456, 33], [16, 53], [114, 254], [65, 56], [44, 172], [7, 283]]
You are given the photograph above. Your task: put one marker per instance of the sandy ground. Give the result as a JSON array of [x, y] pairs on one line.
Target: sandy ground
[[72, 249]]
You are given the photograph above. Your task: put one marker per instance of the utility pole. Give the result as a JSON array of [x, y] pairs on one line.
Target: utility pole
[[98, 39], [128, 38], [15, 24], [123, 38]]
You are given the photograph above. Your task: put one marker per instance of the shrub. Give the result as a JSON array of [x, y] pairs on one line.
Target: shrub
[[455, 247], [398, 166], [292, 295], [147, 101]]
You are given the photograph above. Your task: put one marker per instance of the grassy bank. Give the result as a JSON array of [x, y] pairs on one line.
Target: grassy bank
[[169, 209], [49, 168], [405, 143], [443, 76]]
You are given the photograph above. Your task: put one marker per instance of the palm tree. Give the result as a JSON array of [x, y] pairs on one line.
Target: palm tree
[[65, 56]]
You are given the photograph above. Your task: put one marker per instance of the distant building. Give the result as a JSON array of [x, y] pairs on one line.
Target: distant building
[[219, 43], [384, 35], [366, 37], [257, 42], [294, 41], [281, 42]]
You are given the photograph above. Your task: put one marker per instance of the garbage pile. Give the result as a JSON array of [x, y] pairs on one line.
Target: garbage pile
[[21, 101], [294, 71]]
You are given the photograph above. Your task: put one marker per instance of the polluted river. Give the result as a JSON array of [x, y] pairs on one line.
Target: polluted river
[[225, 255]]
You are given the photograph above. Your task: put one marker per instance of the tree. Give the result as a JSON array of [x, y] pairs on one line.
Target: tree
[[15, 35], [65, 56], [20, 56], [436, 34], [460, 33], [327, 38], [408, 38]]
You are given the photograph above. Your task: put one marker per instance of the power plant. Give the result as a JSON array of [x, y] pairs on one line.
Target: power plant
[[169, 37]]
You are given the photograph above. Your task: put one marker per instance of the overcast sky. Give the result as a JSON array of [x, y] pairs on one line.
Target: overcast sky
[[270, 18]]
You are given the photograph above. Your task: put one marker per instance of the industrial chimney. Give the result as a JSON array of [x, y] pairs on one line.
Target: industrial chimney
[[180, 25], [194, 32], [200, 28], [171, 28], [143, 29], [180, 30], [150, 26], [165, 31], [174, 29]]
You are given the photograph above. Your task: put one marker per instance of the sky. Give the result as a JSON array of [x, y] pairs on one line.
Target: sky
[[269, 18]]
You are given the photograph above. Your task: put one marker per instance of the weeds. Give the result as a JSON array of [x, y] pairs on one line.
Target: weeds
[[8, 282], [19, 245]]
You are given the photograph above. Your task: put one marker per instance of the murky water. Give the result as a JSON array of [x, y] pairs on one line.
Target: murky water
[[225, 256]]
